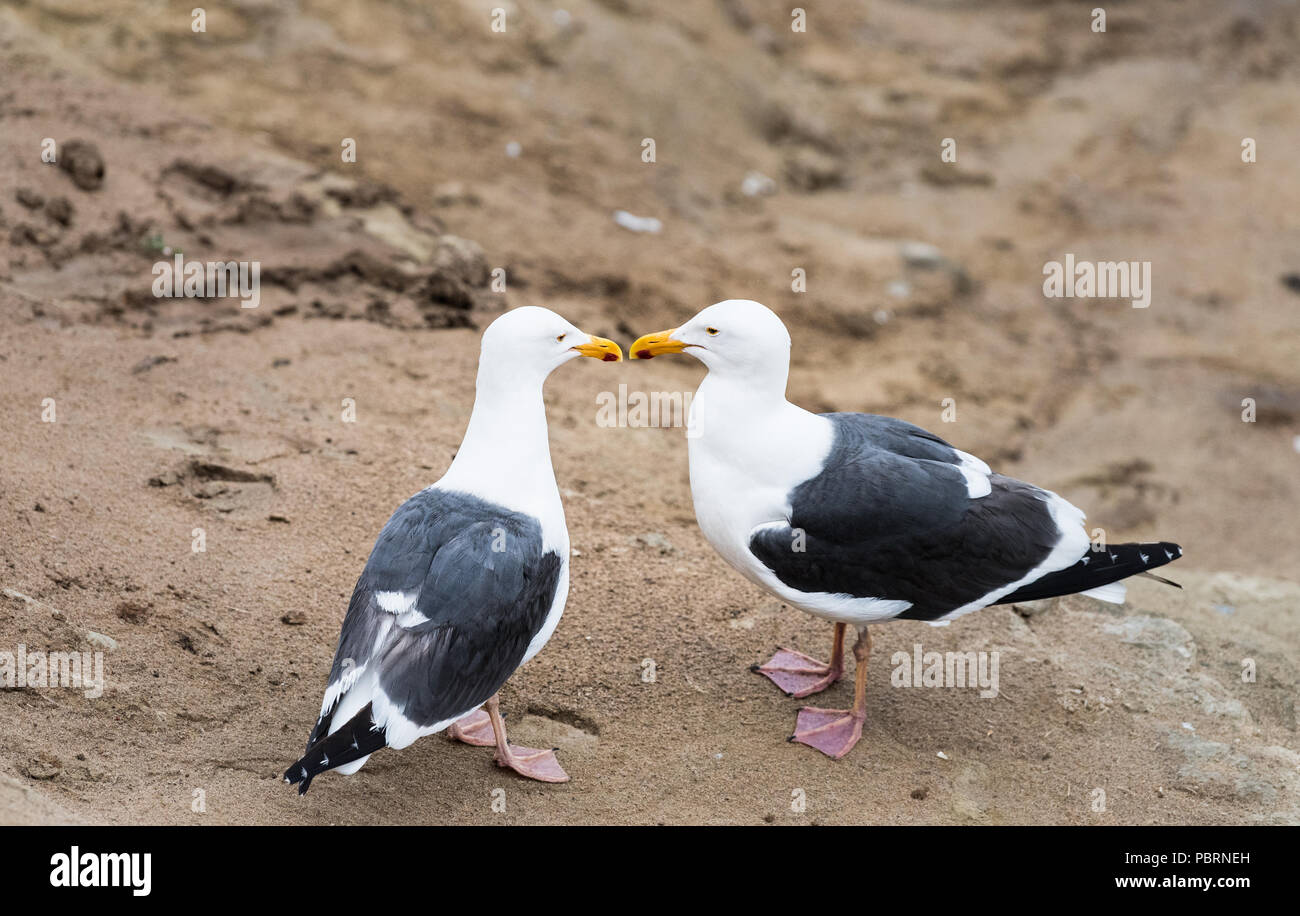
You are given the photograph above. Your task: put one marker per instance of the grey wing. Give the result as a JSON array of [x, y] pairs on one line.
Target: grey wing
[[453, 593], [893, 515]]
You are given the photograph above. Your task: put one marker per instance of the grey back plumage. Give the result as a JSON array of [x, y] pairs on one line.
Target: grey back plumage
[[482, 579]]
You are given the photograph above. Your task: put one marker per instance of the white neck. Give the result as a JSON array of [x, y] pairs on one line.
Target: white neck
[[749, 449], [749, 425], [505, 456]]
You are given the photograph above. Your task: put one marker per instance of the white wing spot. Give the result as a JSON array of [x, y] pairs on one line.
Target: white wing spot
[[976, 473], [396, 602]]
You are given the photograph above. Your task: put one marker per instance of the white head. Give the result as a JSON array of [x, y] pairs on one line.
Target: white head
[[529, 343], [737, 339]]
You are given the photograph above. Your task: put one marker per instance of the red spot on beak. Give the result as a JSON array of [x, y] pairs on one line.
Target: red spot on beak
[[644, 354], [609, 358]]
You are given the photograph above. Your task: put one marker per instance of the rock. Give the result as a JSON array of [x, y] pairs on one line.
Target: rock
[[82, 161], [372, 269], [46, 766], [809, 170], [756, 184], [1216, 770], [459, 276], [210, 489], [1158, 633], [132, 611], [30, 199], [442, 289], [294, 618], [100, 641], [634, 223], [949, 174], [27, 234], [364, 195], [149, 362], [451, 193], [462, 260], [654, 540], [60, 210], [211, 177], [921, 254]]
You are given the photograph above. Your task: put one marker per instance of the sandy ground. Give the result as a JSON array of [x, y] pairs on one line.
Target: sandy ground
[[923, 283]]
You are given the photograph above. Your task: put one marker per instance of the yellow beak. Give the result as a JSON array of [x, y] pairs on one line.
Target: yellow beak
[[652, 345], [602, 349]]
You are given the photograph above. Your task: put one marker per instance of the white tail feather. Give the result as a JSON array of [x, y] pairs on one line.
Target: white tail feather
[[1113, 593]]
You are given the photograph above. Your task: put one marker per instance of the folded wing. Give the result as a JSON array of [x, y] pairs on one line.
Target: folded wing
[[898, 514], [443, 613]]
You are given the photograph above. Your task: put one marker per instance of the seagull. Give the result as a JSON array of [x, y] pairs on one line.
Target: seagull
[[859, 519], [468, 578]]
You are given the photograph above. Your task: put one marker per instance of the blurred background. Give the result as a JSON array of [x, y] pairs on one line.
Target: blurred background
[[384, 162]]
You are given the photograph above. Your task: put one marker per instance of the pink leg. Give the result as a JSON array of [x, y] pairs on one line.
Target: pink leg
[[475, 729], [834, 732], [526, 761], [800, 675]]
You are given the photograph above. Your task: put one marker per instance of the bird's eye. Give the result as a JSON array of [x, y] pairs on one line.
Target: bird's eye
[[562, 336], [712, 332]]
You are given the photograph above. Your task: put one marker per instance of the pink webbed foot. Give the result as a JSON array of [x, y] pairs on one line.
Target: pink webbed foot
[[475, 729], [797, 674], [532, 763], [831, 731]]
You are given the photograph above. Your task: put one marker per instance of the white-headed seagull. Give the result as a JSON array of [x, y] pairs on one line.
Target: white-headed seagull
[[468, 578], [858, 518]]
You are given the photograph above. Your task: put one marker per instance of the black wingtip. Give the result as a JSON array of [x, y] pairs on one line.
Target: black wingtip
[[1147, 575], [294, 777], [1100, 567], [356, 739]]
